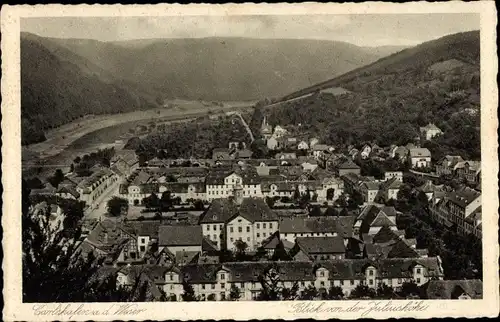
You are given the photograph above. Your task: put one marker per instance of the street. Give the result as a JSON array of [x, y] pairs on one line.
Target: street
[[98, 208]]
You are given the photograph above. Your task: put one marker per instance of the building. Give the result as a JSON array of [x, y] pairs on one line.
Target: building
[[319, 248], [272, 143], [372, 218], [313, 142], [346, 167], [318, 150], [429, 189], [460, 208], [369, 190], [247, 219], [365, 151], [93, 186], [446, 165], [469, 171], [429, 131], [279, 132], [291, 228], [393, 174], [389, 189], [177, 239], [286, 155], [221, 154], [419, 157], [222, 183], [303, 145], [266, 130], [453, 289], [213, 282]]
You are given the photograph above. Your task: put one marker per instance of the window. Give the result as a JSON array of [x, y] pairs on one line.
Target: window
[[215, 237], [222, 276], [202, 286], [231, 239], [239, 220], [399, 281], [215, 227], [230, 229], [258, 226], [370, 272], [222, 285], [418, 280], [270, 225], [240, 229], [208, 227], [418, 270], [264, 225], [285, 234], [242, 285], [303, 283], [263, 234], [322, 283], [222, 296], [258, 235], [143, 240], [370, 282], [170, 277], [213, 286], [248, 229], [321, 274], [220, 227], [142, 248]]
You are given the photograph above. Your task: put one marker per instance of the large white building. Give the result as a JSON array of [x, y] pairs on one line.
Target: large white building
[[249, 220], [222, 183]]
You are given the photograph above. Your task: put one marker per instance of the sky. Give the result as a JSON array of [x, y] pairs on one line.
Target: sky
[[360, 29]]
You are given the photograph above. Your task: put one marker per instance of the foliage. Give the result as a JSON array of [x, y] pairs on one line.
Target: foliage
[[309, 293], [234, 293], [116, 206], [362, 291], [270, 202], [385, 292], [280, 253], [409, 289], [335, 293], [56, 178], [54, 271], [188, 292]]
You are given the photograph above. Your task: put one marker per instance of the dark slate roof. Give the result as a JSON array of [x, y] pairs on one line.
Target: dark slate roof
[[180, 236], [384, 235], [145, 228], [67, 189], [305, 270], [349, 164], [450, 289], [373, 215], [321, 245], [342, 225], [223, 210], [400, 249], [464, 196]]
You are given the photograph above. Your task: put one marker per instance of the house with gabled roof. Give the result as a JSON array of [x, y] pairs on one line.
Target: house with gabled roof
[[419, 157], [453, 289], [446, 165], [319, 248], [430, 131], [180, 238], [348, 166], [389, 189], [372, 218], [247, 219]]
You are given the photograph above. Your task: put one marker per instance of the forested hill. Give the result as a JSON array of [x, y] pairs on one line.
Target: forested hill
[[58, 86], [437, 82], [63, 79], [224, 69]]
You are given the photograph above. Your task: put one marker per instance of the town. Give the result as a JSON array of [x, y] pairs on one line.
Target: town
[[306, 221]]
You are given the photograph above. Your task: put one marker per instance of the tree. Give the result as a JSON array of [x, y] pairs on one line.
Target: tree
[[280, 253], [57, 178], [309, 293], [409, 289], [241, 247], [341, 201], [152, 201], [335, 293], [188, 292], [385, 292], [116, 206], [234, 293], [355, 201], [270, 202], [198, 205], [296, 194], [77, 160], [362, 291], [315, 211], [55, 271], [290, 294], [166, 201], [269, 279]]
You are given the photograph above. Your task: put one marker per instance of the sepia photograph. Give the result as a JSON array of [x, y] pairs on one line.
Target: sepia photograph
[[251, 157]]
